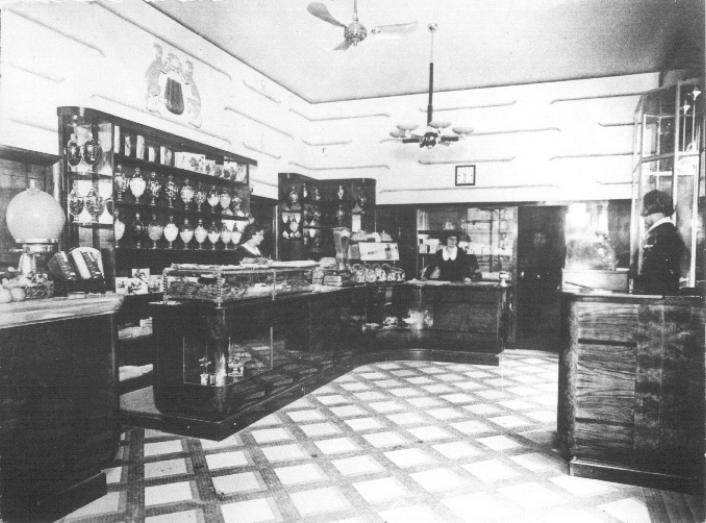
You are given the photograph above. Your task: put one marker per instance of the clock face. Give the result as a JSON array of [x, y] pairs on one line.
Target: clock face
[[465, 175]]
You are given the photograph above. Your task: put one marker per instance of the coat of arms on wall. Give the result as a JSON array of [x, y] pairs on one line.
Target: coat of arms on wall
[[171, 89]]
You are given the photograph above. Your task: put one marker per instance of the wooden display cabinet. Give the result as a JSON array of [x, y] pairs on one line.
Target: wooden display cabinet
[[309, 210], [110, 209], [668, 140]]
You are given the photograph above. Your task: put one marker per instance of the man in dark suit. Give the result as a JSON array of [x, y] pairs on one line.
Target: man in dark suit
[[664, 247]]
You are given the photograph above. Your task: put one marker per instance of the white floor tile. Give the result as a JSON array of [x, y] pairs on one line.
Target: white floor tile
[[296, 474], [262, 510], [385, 439], [361, 424], [221, 460], [319, 501], [383, 489], [298, 416], [406, 458], [336, 445], [239, 483], [439, 479], [169, 493], [163, 447], [357, 465], [170, 467], [315, 430], [491, 470]]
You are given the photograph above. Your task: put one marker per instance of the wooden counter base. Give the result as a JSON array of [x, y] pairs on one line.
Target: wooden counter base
[[58, 405], [631, 389], [138, 408], [299, 343]]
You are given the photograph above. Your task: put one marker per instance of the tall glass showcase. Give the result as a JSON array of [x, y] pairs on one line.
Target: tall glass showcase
[[669, 126]]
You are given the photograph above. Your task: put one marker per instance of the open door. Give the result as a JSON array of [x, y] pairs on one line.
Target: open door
[[540, 250]]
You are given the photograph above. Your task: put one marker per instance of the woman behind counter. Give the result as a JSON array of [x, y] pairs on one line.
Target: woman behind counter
[[252, 238], [453, 263]]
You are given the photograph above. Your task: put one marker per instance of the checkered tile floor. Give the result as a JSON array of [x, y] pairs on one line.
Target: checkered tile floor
[[395, 442]]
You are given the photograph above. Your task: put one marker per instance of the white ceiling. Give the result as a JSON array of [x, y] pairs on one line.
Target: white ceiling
[[479, 43]]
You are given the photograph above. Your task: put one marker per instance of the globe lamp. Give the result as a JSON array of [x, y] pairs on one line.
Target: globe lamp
[[35, 219]]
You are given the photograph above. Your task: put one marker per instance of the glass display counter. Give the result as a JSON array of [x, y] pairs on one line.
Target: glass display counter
[[224, 283]]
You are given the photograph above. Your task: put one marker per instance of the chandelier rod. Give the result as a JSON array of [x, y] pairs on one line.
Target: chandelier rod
[[430, 107]]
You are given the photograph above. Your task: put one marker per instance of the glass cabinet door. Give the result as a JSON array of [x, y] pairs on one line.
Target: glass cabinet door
[[668, 134]]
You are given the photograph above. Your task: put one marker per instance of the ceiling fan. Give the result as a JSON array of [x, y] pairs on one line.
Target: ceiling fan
[[356, 32], [433, 135]]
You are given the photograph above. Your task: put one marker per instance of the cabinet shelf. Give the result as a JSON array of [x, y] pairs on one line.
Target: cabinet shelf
[[121, 258], [146, 167], [177, 212], [88, 175], [291, 188], [77, 225]]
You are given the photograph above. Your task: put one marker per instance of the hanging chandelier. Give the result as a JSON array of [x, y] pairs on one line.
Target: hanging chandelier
[[433, 134]]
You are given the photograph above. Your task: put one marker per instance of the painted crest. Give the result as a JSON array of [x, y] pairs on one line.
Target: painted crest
[[170, 87]]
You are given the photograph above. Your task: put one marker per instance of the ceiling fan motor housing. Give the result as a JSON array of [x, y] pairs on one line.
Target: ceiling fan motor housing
[[355, 33]]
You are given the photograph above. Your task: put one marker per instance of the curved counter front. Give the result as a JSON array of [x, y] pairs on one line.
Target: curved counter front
[[631, 389], [218, 369]]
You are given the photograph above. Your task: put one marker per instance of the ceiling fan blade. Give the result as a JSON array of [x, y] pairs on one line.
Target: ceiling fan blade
[[393, 30], [342, 46], [412, 139], [319, 11], [446, 139]]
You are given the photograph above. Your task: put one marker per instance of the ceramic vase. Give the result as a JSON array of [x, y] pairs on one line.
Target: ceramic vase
[[138, 230], [171, 191], [199, 196], [186, 233], [137, 185], [200, 233], [171, 232], [154, 188], [154, 231], [213, 235], [187, 193], [213, 198]]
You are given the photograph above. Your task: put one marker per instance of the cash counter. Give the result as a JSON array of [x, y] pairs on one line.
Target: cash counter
[[59, 425], [631, 388], [221, 367]]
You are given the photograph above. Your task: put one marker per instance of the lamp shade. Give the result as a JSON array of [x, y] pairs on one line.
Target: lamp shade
[[34, 216]]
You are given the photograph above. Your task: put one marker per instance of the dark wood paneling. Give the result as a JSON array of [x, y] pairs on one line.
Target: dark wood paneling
[[632, 388], [58, 416], [605, 386]]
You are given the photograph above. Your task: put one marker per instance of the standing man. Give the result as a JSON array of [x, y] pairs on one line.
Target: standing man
[[664, 247]]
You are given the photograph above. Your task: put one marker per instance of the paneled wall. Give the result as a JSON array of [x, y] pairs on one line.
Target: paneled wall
[[558, 141]]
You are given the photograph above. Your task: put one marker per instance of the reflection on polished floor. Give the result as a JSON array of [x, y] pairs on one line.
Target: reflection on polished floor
[[395, 442]]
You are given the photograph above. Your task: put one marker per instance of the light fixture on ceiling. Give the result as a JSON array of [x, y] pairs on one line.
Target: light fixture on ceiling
[[433, 135]]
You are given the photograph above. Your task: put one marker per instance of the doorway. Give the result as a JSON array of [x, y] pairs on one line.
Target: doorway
[[540, 255]]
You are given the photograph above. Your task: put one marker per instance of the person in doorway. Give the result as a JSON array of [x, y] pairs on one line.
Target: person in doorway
[[454, 263], [249, 248], [664, 247]]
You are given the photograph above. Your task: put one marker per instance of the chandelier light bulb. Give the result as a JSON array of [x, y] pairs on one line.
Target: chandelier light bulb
[[433, 135]]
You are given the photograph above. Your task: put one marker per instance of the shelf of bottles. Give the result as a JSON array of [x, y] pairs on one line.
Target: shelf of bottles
[[668, 141], [130, 188], [310, 209]]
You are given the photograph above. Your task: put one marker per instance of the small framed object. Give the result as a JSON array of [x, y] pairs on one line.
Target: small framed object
[[465, 175]]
